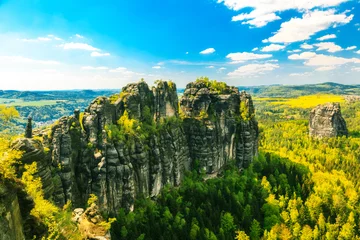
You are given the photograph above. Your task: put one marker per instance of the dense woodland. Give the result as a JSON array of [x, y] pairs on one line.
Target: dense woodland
[[297, 188]]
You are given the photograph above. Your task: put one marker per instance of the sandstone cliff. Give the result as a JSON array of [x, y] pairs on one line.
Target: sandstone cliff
[[326, 121], [135, 143]]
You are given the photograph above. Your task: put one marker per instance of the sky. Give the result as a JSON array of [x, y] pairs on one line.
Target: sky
[[92, 44]]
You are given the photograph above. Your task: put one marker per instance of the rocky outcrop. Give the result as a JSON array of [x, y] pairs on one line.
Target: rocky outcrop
[[16, 223], [90, 223], [11, 224], [326, 121], [133, 145]]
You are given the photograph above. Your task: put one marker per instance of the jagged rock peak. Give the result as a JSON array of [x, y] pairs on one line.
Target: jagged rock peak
[[326, 121]]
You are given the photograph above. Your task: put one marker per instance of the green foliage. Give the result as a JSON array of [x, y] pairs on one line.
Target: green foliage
[[212, 209], [219, 87]]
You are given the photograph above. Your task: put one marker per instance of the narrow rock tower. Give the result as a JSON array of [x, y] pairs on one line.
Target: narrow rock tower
[[326, 121], [28, 129]]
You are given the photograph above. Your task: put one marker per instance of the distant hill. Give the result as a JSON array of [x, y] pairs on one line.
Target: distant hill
[[56, 95], [301, 90]]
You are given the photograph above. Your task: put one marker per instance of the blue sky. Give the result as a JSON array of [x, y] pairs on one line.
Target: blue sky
[[106, 44]]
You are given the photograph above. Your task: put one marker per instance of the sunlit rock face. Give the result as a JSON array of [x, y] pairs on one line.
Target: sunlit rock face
[[326, 121], [87, 153]]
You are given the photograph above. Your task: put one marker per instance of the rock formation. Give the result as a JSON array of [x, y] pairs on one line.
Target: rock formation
[[120, 148], [326, 121], [28, 129]]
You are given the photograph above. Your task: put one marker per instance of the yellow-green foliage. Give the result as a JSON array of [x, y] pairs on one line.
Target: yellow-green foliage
[[244, 111], [81, 117], [114, 98], [8, 158], [310, 101], [43, 208], [334, 199], [171, 85], [92, 199], [128, 125], [107, 225], [203, 115], [241, 235], [219, 87], [8, 113]]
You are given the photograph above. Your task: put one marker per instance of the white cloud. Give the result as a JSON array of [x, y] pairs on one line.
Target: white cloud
[[94, 68], [253, 69], [264, 11], [258, 21], [210, 67], [358, 52], [80, 46], [325, 68], [328, 46], [326, 60], [304, 74], [255, 49], [187, 53], [302, 56], [294, 51], [97, 54], [356, 69], [222, 69], [24, 60], [300, 29], [208, 51], [124, 72], [39, 39], [306, 46], [79, 36], [272, 48], [245, 56], [350, 48], [156, 67], [326, 37]]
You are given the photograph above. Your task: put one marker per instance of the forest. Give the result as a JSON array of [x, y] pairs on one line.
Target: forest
[[296, 188]]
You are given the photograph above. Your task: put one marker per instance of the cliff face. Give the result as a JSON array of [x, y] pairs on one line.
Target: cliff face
[[132, 145], [326, 121]]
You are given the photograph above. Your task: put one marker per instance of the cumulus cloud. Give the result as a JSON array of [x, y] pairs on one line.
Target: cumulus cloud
[[253, 69], [245, 56], [328, 46], [300, 29], [78, 46], [272, 48], [326, 60], [255, 49], [306, 46], [350, 48], [294, 51], [208, 51], [326, 37], [358, 52], [302, 56], [97, 54], [325, 68], [266, 11]]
